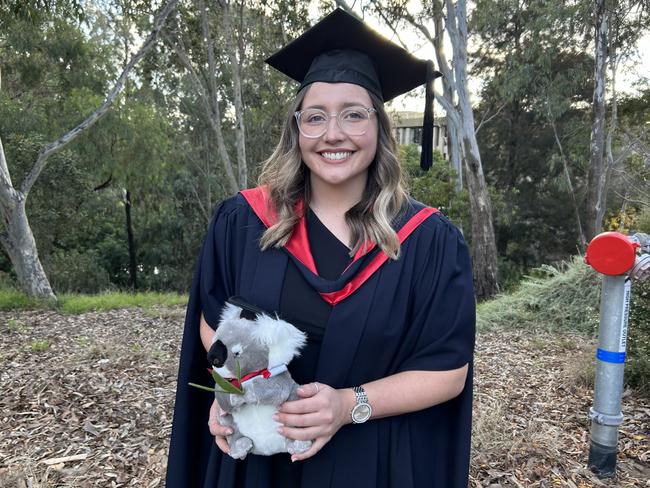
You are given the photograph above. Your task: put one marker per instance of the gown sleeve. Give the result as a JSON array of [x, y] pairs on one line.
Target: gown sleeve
[[212, 284], [443, 316]]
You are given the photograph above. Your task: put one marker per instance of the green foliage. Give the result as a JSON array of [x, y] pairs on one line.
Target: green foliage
[[76, 304], [566, 298], [76, 271], [435, 187], [40, 346], [12, 299]]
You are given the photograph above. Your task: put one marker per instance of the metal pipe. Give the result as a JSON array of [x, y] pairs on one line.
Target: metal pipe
[[606, 413]]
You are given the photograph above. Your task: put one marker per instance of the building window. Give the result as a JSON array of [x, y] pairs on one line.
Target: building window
[[417, 136]]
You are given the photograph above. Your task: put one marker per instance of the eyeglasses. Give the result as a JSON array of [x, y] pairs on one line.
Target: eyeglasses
[[313, 122]]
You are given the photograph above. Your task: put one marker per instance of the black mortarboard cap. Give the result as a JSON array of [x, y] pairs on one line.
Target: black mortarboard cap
[[342, 49]]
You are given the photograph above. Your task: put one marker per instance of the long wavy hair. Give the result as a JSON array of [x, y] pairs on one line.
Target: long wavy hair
[[287, 180]]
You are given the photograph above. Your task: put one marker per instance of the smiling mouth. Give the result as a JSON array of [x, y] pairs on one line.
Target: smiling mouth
[[336, 156]]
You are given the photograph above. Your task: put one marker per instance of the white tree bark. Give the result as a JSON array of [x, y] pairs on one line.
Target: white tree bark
[[464, 152], [17, 238], [595, 205], [240, 128], [208, 92], [464, 146]]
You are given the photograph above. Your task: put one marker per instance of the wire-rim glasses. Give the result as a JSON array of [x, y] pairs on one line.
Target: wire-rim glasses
[[354, 121]]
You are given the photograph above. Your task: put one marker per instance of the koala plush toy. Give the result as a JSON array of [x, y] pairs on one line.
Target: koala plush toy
[[259, 347]]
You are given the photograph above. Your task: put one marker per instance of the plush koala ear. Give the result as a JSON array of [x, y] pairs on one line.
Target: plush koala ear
[[229, 312], [283, 339]]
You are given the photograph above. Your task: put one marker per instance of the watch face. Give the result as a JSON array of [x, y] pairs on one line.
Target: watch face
[[361, 412]]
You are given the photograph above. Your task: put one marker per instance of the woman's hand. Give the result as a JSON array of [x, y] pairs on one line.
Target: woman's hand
[[216, 429], [318, 415]]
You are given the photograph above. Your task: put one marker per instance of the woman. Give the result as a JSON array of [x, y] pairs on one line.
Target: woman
[[380, 283]]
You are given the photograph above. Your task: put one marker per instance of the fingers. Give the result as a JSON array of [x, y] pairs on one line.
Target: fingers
[[216, 429], [307, 405], [316, 446], [309, 390], [222, 444], [300, 420], [301, 434]]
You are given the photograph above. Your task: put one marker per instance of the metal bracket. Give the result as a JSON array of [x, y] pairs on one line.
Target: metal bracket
[[604, 419], [641, 269]]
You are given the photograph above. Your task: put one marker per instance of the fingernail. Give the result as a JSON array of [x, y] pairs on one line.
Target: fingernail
[[293, 459], [279, 429], [301, 390], [276, 417], [228, 431]]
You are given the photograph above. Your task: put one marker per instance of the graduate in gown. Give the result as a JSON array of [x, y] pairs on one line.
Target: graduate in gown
[[381, 284]]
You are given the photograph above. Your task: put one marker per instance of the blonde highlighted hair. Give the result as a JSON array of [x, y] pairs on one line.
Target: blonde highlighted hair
[[287, 180]]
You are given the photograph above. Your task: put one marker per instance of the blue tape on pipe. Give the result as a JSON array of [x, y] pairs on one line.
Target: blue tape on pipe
[[610, 357]]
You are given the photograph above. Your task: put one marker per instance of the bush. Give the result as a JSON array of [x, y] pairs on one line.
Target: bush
[[76, 272], [552, 298], [567, 297]]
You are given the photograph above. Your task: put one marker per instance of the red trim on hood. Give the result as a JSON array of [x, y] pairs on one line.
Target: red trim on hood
[[353, 285], [298, 244]]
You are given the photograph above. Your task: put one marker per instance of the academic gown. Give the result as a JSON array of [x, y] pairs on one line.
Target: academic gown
[[415, 313]]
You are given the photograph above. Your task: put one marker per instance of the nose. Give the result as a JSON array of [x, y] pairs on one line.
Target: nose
[[334, 132], [217, 354]]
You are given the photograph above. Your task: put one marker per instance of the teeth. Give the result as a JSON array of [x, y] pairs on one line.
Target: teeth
[[336, 156]]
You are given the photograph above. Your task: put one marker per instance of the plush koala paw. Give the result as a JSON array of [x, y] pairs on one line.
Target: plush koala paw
[[298, 447], [237, 400], [240, 447]]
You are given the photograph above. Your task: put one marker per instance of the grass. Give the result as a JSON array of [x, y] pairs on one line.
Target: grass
[[40, 346], [76, 304], [11, 299], [558, 298]]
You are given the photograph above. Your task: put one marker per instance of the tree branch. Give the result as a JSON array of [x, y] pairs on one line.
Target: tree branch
[[64, 140], [581, 234], [8, 195], [485, 121]]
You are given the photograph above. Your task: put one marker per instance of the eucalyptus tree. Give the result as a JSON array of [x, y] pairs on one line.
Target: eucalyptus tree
[[435, 23], [233, 105], [617, 27], [17, 237]]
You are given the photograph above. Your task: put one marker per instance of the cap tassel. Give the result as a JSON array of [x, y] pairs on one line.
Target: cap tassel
[[426, 157]]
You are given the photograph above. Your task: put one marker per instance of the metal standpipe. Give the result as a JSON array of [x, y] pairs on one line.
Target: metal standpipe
[[606, 413], [615, 256]]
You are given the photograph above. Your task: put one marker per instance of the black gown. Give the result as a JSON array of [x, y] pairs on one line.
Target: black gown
[[302, 306], [385, 317]]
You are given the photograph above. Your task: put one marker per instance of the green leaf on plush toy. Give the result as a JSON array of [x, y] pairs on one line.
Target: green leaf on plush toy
[[225, 385], [201, 387]]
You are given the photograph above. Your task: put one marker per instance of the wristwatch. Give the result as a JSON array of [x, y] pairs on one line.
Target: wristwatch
[[362, 410]]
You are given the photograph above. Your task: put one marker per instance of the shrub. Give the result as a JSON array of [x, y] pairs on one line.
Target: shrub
[[567, 298], [562, 297], [76, 272]]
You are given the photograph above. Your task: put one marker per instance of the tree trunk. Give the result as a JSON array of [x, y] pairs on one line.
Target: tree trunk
[[597, 176], [133, 266], [18, 241], [17, 238], [484, 250], [240, 129]]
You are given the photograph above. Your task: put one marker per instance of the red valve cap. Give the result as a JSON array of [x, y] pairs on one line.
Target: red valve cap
[[611, 253]]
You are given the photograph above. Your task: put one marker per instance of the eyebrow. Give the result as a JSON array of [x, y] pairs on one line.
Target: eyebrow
[[345, 105]]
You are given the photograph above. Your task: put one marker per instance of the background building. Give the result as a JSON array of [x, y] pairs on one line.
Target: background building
[[408, 130]]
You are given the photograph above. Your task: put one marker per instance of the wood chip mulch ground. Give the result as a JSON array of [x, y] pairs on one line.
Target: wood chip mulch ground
[[87, 401]]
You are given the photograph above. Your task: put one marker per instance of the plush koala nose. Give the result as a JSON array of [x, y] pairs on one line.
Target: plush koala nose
[[217, 354]]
